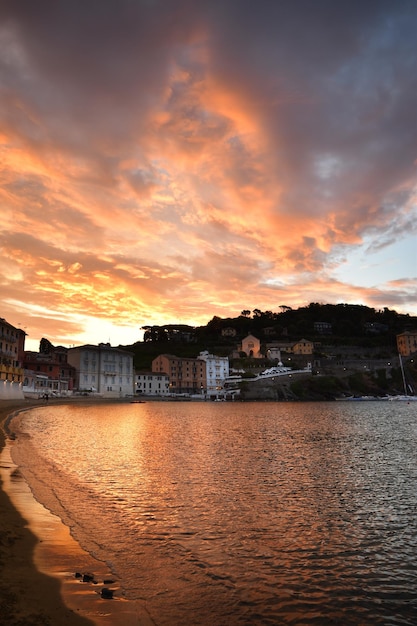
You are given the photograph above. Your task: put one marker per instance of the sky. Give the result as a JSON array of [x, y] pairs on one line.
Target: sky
[[165, 161]]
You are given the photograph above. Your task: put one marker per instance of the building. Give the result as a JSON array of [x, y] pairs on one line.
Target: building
[[103, 370], [303, 346], [152, 383], [186, 376], [273, 353], [375, 328], [407, 343], [323, 328], [12, 346], [217, 369], [228, 332], [48, 372], [251, 346]]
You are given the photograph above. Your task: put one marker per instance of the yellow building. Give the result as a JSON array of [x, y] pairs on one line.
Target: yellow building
[[251, 346], [303, 346], [407, 343], [12, 345]]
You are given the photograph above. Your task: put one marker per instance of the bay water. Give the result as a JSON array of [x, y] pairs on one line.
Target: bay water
[[238, 513]]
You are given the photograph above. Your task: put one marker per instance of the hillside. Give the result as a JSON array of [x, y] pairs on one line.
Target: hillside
[[332, 326]]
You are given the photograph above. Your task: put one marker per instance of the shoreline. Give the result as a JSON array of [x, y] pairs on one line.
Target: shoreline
[[39, 557]]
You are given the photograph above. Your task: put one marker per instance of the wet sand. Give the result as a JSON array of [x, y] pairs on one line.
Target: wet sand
[[39, 560]]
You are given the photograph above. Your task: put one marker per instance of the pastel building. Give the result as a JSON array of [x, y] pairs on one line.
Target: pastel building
[[217, 369], [251, 346], [152, 383], [12, 345], [48, 373], [186, 376], [407, 343], [103, 370], [303, 346]]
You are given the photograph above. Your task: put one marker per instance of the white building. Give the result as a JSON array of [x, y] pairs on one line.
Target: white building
[[102, 369], [152, 383], [217, 369], [273, 353]]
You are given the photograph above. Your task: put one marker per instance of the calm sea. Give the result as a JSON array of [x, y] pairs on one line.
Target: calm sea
[[239, 513]]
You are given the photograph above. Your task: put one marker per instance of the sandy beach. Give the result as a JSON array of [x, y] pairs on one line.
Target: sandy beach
[[39, 560]]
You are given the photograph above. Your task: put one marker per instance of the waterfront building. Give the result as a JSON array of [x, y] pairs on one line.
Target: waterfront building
[[217, 369], [103, 370], [48, 372], [186, 376], [152, 383], [12, 345]]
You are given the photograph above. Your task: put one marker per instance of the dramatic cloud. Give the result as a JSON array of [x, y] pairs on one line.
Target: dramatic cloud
[[166, 161]]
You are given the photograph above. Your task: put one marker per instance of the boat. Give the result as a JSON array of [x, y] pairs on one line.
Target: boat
[[406, 396], [403, 398], [361, 398]]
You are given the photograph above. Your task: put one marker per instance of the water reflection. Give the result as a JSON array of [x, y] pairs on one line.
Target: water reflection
[[242, 513]]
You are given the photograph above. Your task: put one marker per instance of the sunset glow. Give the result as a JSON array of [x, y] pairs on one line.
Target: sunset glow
[[164, 162]]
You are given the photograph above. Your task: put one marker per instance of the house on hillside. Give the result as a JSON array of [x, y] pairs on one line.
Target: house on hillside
[[303, 346], [229, 332], [273, 353], [407, 343], [323, 328], [300, 347], [251, 346]]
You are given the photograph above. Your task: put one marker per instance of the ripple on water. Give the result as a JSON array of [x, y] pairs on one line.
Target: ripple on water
[[239, 513]]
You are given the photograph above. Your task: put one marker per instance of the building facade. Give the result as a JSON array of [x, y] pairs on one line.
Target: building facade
[[303, 346], [323, 328], [407, 343], [273, 353], [251, 346], [12, 345], [152, 383], [103, 370], [186, 376], [217, 370], [48, 372]]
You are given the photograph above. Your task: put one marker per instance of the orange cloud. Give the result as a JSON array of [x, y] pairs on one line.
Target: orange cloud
[[190, 172]]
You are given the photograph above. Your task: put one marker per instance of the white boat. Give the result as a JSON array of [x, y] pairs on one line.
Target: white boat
[[405, 397]]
